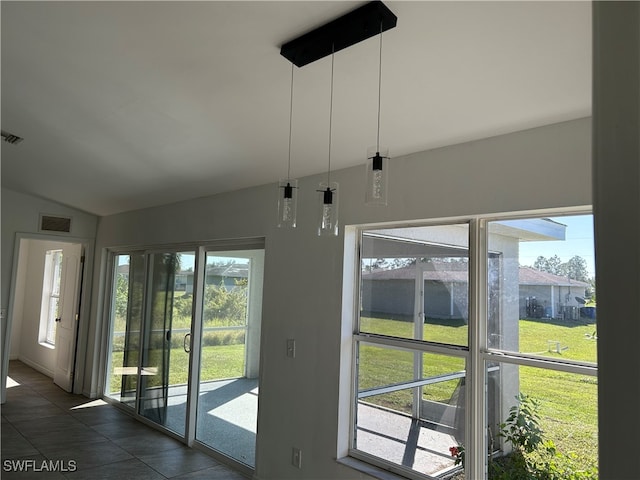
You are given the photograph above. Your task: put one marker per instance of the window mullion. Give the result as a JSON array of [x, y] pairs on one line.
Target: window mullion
[[476, 400]]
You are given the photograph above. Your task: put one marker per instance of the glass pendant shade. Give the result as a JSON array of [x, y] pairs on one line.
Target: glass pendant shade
[[287, 203], [328, 209], [377, 176]]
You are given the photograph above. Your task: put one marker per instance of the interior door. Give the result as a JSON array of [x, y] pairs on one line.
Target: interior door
[[67, 320]]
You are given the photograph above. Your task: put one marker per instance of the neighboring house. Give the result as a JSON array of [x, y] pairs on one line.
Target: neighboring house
[[541, 294], [393, 291], [544, 294], [228, 275]]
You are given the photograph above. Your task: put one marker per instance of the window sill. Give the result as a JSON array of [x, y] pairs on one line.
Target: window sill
[[47, 345], [369, 469]]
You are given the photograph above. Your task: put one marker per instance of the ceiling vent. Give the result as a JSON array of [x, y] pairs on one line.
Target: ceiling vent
[[49, 223], [11, 138]]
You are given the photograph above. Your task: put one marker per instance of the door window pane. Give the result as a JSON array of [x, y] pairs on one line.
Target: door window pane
[[127, 304], [228, 391], [151, 325], [165, 354]]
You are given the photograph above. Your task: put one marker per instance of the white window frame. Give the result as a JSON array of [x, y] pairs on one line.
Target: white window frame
[[477, 354], [51, 289]]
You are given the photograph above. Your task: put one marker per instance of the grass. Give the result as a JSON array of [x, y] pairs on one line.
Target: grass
[[218, 362], [568, 401]]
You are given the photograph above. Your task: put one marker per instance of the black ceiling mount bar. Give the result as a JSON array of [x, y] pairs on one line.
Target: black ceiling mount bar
[[353, 27]]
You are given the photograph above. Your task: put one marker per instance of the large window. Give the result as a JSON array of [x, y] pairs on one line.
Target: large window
[[465, 331]]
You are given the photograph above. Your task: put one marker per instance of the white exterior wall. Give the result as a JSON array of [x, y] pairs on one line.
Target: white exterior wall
[[304, 273]]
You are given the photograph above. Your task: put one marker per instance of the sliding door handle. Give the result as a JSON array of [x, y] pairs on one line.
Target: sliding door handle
[[186, 344]]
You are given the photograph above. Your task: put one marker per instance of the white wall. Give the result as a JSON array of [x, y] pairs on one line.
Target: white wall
[[21, 214], [545, 167], [20, 218], [18, 307]]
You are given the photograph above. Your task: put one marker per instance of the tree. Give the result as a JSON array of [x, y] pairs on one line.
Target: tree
[[576, 269], [121, 301], [549, 265], [387, 264], [226, 305]]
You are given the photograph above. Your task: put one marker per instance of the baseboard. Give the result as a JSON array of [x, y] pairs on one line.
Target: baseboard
[[90, 395], [36, 366]]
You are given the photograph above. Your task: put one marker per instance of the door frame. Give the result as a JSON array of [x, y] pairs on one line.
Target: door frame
[[82, 335], [200, 249]]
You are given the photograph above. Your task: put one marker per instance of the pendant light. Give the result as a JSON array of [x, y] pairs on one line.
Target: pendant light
[[343, 32], [288, 187], [328, 192], [377, 168]]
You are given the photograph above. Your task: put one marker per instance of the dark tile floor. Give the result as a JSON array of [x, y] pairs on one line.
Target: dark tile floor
[[52, 435]]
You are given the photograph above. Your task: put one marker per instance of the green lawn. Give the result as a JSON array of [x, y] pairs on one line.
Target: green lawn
[[568, 401], [218, 362]]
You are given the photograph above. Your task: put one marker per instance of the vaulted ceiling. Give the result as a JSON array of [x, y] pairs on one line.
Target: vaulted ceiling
[[125, 105]]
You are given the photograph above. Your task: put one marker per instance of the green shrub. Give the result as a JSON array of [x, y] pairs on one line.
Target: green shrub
[[532, 457]]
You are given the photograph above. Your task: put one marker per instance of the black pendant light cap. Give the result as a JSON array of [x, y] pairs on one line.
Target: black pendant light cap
[[369, 20], [327, 196], [288, 190], [377, 161]]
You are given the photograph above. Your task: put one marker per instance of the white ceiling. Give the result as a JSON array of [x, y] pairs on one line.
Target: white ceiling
[[125, 105]]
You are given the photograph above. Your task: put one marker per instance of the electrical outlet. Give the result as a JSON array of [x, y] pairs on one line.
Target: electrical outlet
[[296, 457], [291, 347]]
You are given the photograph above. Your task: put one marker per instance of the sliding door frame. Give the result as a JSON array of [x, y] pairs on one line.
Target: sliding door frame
[[200, 249]]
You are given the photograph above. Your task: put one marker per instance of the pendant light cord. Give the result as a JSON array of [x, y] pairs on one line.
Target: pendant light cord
[[379, 89], [290, 125], [330, 118]]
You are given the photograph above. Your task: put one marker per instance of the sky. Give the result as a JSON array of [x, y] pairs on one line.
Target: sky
[[578, 241]]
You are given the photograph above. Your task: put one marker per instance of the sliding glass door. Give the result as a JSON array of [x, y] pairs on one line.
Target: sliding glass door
[[127, 302], [228, 389], [184, 343], [151, 319]]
